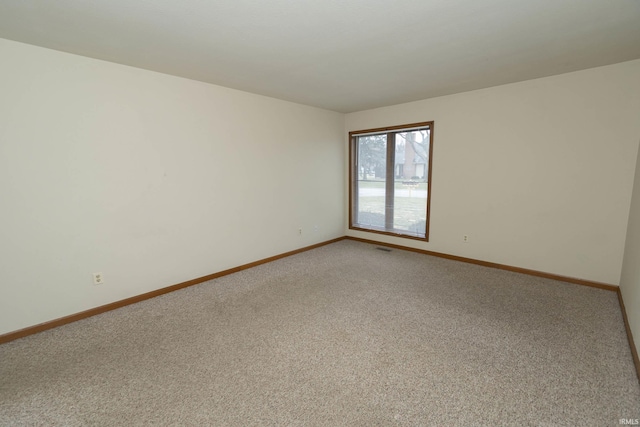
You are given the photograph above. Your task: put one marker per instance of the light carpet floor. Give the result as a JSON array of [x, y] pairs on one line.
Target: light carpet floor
[[343, 335]]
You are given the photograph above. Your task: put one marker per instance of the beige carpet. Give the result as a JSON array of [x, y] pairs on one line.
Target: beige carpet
[[343, 335]]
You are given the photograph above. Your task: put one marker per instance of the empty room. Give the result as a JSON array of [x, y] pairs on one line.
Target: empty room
[[358, 213]]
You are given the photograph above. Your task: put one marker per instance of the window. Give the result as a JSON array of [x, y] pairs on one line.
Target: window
[[390, 180]]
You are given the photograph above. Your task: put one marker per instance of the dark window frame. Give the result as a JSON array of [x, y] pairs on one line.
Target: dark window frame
[[390, 171]]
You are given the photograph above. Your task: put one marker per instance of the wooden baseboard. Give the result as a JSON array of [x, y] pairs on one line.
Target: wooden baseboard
[[112, 306], [634, 351], [536, 273], [122, 303], [128, 301]]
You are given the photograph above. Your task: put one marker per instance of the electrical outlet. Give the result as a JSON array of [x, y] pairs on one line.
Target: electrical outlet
[[98, 279], [465, 238], [315, 228], [299, 230]]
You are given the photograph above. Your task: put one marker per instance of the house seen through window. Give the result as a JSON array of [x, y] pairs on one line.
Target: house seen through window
[[390, 180]]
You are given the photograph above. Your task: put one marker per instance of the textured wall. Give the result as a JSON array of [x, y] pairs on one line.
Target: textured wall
[[538, 174], [630, 279], [150, 179]]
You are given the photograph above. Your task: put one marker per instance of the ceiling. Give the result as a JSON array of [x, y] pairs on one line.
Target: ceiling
[[342, 55]]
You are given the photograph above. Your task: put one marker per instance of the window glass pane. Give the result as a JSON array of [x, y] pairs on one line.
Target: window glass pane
[[410, 186], [389, 176], [371, 180]]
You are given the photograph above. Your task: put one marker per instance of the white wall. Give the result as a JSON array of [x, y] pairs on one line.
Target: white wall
[[538, 173], [154, 180], [148, 178], [630, 280]]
